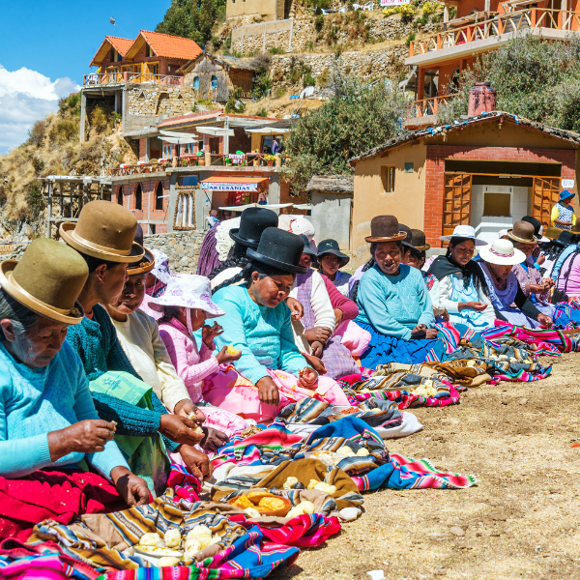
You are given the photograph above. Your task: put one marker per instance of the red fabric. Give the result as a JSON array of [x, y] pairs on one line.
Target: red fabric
[[55, 495], [340, 301], [305, 531]]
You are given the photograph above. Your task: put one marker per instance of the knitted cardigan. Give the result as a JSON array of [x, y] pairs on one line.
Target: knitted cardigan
[[96, 342]]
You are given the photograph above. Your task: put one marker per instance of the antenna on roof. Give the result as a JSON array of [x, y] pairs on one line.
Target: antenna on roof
[[112, 21]]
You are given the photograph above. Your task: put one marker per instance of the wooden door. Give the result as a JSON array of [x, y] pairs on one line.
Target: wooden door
[[545, 195], [456, 201]]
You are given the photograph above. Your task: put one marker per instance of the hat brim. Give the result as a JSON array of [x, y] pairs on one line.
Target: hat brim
[[144, 266], [67, 233], [290, 268], [477, 241], [511, 236], [235, 235], [344, 259], [377, 240], [211, 310], [487, 255], [74, 316], [423, 248]]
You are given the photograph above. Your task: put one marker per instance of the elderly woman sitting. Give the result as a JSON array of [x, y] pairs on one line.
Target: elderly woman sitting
[[271, 372], [508, 299], [394, 303], [47, 417]]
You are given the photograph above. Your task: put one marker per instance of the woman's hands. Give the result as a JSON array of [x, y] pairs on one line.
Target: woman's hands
[[477, 306], [88, 436], [131, 488], [213, 439], [268, 391], [318, 333], [224, 358], [197, 462], [307, 378], [185, 408], [315, 363], [545, 320], [208, 333], [179, 429], [338, 314], [317, 348], [296, 308]]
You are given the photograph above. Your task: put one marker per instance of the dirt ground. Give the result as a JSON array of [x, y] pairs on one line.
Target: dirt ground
[[520, 521]]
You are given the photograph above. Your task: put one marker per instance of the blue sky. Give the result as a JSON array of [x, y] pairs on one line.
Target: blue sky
[[46, 47]]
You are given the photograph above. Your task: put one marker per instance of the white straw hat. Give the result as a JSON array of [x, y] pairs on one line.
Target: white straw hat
[[502, 253], [464, 231]]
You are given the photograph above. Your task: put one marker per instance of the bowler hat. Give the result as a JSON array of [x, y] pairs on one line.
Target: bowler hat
[[253, 222], [331, 247], [385, 228], [147, 262], [538, 228], [522, 232], [104, 230], [564, 239], [408, 241], [279, 249], [47, 280], [552, 232], [419, 243]]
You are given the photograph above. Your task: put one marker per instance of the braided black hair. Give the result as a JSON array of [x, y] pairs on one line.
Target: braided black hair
[[246, 274], [236, 259]]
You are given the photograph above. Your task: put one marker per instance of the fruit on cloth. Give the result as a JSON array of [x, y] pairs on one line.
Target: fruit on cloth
[[151, 539], [172, 538], [233, 351]]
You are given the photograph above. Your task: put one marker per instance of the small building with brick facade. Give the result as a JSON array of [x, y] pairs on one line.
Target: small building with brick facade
[[487, 171]]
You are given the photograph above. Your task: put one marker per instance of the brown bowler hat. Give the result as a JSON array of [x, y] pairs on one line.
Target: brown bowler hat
[[48, 280], [385, 228], [147, 262], [522, 232], [552, 232], [419, 242], [105, 230]]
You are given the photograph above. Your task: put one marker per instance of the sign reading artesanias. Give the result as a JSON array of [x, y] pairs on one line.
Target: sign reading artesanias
[[391, 3]]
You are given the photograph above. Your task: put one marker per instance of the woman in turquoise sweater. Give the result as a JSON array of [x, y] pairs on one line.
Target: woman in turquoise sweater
[[47, 415], [394, 304], [271, 373]]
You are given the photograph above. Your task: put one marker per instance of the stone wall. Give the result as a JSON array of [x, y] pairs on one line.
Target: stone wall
[[181, 247], [159, 100], [305, 36]]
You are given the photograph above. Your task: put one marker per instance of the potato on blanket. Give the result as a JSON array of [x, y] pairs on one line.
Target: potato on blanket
[[172, 538], [166, 561], [150, 539]]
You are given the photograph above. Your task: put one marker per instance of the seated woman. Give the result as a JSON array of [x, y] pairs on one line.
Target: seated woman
[[394, 303], [534, 287], [330, 260], [184, 309], [47, 417], [508, 300], [464, 292], [104, 238], [316, 331], [253, 222], [417, 260], [272, 372]]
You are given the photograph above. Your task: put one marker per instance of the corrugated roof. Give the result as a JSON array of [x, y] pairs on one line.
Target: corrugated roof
[[121, 45], [165, 45], [459, 125]]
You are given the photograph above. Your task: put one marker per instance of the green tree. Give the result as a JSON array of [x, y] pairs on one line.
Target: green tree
[[357, 118], [178, 19]]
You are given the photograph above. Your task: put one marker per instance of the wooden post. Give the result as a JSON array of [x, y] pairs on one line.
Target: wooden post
[[533, 18]]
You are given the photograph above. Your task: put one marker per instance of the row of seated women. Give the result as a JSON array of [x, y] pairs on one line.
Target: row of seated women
[[111, 369]]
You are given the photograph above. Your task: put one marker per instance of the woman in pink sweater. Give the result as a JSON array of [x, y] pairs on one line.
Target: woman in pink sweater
[[185, 305]]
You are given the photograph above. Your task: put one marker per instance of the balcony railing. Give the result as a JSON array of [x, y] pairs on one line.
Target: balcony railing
[[249, 159], [506, 23], [111, 78], [424, 107]]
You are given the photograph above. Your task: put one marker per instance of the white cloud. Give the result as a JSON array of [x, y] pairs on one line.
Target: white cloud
[[25, 97]]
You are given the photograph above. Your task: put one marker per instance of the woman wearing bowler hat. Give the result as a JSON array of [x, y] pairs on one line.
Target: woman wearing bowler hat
[[394, 304], [271, 371], [331, 260]]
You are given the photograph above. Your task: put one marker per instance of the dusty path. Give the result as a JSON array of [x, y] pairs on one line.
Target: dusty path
[[521, 521]]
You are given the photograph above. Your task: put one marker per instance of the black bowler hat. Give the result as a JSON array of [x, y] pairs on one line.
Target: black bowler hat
[[331, 247], [565, 239], [408, 241], [253, 222], [307, 247], [279, 249], [147, 262]]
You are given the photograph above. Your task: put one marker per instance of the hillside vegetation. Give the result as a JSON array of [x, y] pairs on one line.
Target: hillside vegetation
[[53, 148]]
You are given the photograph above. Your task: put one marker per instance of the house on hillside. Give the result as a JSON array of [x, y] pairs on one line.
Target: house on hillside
[[487, 171], [478, 26], [265, 9], [215, 77]]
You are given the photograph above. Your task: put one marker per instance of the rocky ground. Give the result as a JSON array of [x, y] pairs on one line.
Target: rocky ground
[[521, 521]]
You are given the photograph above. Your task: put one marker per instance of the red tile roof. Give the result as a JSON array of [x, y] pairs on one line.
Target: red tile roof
[[165, 45], [121, 45]]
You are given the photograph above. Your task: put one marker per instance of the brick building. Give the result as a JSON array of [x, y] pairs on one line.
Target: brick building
[[487, 171]]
